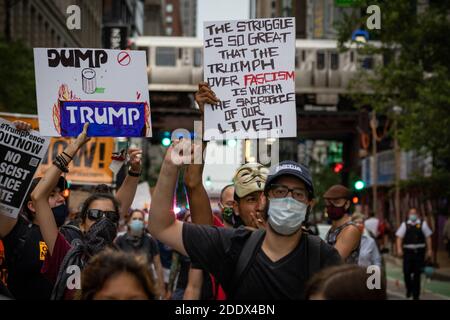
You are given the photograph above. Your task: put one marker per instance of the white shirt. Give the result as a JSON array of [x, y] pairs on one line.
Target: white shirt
[[425, 229], [368, 251], [371, 225]]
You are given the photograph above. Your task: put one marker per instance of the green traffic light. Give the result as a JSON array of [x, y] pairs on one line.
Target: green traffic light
[[165, 142], [359, 185]]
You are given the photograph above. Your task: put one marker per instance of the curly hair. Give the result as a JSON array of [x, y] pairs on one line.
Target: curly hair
[[109, 263]]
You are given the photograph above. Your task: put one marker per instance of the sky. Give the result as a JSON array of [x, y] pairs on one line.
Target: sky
[[215, 10]]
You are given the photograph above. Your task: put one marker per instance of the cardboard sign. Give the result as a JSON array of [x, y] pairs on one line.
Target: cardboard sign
[[107, 88], [21, 153], [250, 65]]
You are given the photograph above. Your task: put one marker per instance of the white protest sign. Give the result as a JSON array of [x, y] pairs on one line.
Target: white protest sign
[[142, 197], [250, 65], [108, 88], [21, 152]]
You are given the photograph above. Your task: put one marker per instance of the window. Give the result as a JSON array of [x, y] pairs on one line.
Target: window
[[166, 56], [169, 8], [367, 63], [334, 61], [320, 60], [169, 31], [169, 19], [197, 57]]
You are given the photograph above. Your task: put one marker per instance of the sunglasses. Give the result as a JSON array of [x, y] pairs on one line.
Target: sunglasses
[[95, 214]]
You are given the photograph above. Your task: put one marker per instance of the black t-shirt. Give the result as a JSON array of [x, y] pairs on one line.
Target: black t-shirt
[[144, 245], [217, 251], [183, 275], [24, 262]]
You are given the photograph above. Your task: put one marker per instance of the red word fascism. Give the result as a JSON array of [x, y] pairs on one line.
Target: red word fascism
[[262, 78]]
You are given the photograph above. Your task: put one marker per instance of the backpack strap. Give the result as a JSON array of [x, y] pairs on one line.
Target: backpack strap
[[245, 259], [313, 254]]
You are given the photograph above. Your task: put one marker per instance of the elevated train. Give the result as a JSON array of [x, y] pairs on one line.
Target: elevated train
[[176, 64]]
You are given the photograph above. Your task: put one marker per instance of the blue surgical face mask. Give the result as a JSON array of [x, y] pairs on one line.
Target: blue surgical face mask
[[60, 213], [413, 217], [286, 215], [136, 227]]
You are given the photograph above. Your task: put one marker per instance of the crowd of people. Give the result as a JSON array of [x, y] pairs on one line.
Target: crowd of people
[[258, 247]]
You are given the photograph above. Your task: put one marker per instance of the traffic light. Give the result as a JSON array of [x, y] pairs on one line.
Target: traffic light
[[359, 185], [165, 141], [355, 200], [337, 167]]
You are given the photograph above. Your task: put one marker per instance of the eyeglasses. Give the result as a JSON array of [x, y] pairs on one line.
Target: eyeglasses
[[280, 191], [95, 214]]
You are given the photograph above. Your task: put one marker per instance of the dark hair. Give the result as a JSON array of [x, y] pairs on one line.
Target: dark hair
[[102, 188], [224, 189], [109, 263], [98, 196], [344, 282], [133, 211]]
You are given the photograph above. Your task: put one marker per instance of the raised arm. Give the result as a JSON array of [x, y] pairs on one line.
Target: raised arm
[[7, 223], [127, 190], [162, 223], [45, 187], [199, 204]]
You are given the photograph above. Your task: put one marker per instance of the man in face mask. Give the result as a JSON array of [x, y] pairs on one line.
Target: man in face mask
[[249, 182], [413, 243], [221, 251], [226, 203], [344, 235]]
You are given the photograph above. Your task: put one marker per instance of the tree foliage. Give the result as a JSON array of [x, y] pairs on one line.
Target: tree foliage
[[17, 84], [415, 74]]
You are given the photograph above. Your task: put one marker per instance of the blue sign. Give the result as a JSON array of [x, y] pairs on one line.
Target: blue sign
[[107, 119]]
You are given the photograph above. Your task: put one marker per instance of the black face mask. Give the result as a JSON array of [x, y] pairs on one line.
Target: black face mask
[[231, 218], [100, 235], [60, 213]]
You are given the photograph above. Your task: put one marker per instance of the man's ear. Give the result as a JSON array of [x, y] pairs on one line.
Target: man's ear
[[31, 207], [347, 204]]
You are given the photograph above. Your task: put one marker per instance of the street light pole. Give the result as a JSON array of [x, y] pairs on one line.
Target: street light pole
[[373, 125], [397, 110]]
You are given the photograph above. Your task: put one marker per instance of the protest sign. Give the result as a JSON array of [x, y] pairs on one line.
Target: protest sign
[[250, 65], [90, 166], [21, 153], [142, 197], [107, 88]]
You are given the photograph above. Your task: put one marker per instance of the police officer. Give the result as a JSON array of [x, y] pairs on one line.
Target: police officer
[[413, 241]]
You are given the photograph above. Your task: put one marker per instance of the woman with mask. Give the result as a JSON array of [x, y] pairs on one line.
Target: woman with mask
[[137, 240], [277, 261], [344, 235], [100, 215]]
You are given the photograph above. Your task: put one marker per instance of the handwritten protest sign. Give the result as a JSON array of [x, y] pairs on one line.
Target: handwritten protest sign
[[21, 153], [107, 88], [250, 66], [143, 197]]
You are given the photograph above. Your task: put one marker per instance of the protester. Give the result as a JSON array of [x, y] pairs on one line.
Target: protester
[[218, 250], [137, 240], [372, 225], [413, 240], [345, 282], [100, 216], [368, 253], [24, 246], [226, 204], [343, 234], [115, 275]]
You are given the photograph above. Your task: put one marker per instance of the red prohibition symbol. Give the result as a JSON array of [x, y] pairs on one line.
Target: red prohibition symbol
[[124, 58]]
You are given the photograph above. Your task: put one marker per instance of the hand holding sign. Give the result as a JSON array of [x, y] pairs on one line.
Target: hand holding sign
[[82, 137], [22, 125], [135, 156], [205, 95]]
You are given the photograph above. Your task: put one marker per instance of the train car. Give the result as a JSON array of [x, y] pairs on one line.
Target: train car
[[176, 64]]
